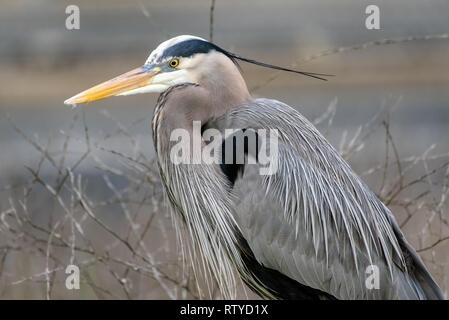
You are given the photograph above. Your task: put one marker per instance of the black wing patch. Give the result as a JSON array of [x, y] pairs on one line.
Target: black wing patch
[[234, 153], [277, 283]]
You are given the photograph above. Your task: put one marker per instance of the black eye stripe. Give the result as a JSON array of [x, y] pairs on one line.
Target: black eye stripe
[[189, 48]]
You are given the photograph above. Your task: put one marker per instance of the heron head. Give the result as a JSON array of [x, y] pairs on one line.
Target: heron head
[[183, 59]]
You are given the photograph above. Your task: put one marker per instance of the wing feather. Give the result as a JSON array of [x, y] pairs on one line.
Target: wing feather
[[314, 220]]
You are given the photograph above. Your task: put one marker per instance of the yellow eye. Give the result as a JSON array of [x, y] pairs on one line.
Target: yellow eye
[[174, 63]]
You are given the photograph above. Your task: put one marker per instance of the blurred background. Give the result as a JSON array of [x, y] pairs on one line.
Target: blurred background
[[386, 110]]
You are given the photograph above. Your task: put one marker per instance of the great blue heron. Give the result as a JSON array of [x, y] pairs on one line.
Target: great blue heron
[[309, 230]]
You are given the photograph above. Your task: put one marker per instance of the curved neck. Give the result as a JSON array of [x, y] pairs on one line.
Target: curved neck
[[218, 88], [221, 79]]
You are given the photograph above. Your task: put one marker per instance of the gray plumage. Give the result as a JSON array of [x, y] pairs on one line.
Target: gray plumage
[[314, 220], [308, 231]]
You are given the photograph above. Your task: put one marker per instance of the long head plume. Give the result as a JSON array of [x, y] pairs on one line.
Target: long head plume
[[266, 65], [235, 57]]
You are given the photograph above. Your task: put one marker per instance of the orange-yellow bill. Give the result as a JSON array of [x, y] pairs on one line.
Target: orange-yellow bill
[[133, 79]]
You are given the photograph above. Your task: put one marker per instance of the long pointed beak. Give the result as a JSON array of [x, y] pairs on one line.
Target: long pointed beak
[[134, 79]]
